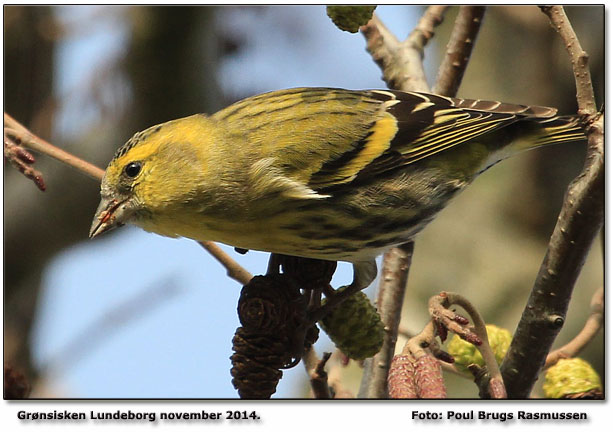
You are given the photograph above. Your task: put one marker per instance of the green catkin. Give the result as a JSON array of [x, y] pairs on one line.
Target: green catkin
[[350, 18], [355, 327], [570, 377], [466, 353]]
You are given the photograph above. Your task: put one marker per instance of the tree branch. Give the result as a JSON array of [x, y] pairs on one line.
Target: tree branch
[[579, 59], [27, 139], [447, 367], [415, 345], [591, 328], [401, 62], [424, 31], [394, 275], [402, 68], [317, 375], [580, 220], [459, 48], [234, 270], [21, 159]]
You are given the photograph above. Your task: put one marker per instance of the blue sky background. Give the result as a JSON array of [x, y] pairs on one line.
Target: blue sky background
[[175, 341]]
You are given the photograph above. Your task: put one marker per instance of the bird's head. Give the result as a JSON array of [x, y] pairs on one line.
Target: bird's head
[[155, 169]]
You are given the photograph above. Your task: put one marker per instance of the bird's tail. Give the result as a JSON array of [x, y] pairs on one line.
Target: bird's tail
[[557, 130], [533, 133]]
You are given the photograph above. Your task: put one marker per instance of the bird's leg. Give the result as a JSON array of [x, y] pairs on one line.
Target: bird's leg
[[274, 262], [364, 272]]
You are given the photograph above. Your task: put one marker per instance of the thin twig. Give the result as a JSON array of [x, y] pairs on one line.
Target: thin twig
[[448, 299], [448, 367], [21, 158], [333, 299], [233, 269], [578, 224], [415, 345], [451, 368], [405, 332], [392, 286], [592, 326], [401, 62], [579, 59], [424, 30], [335, 371], [317, 375], [32, 142], [459, 48]]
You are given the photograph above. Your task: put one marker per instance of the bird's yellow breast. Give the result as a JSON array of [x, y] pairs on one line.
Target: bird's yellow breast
[[261, 234]]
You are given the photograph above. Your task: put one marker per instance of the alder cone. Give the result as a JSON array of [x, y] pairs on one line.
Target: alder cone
[[256, 364], [271, 309], [307, 272]]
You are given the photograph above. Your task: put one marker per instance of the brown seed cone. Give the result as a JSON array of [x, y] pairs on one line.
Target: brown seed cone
[[256, 364], [401, 378], [271, 304], [429, 378], [308, 273], [271, 309]]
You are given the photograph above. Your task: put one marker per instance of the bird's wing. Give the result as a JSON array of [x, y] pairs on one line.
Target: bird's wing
[[326, 138]]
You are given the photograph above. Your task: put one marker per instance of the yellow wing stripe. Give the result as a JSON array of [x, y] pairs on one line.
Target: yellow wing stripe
[[456, 131], [452, 124], [349, 164], [443, 143], [456, 136], [376, 144], [559, 139], [421, 106], [445, 115]]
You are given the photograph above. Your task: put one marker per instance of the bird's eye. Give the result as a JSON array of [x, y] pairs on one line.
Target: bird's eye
[[132, 169]]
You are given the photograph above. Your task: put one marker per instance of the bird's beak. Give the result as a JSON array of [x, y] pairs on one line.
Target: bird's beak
[[111, 213]]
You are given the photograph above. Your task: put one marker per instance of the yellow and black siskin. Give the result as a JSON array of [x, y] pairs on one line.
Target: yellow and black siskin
[[321, 173]]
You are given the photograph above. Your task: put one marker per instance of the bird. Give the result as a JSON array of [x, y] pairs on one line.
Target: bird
[[323, 173]]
